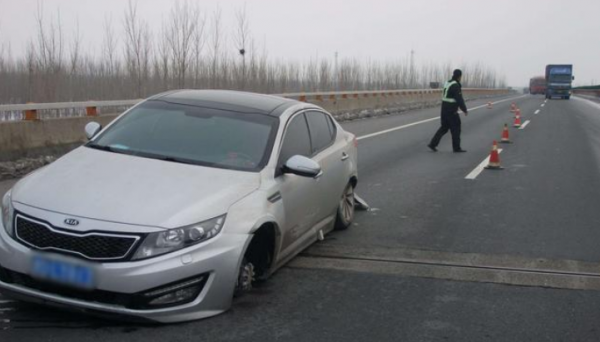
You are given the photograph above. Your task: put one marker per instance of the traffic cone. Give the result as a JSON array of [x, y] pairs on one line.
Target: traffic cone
[[505, 137], [489, 105], [517, 120], [494, 163], [513, 107]]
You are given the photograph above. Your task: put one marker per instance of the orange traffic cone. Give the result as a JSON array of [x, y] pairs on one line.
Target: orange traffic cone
[[513, 107], [489, 105], [494, 163], [517, 120], [505, 137]]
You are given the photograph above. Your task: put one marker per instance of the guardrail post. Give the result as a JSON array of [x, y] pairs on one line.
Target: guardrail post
[[31, 115], [91, 111]]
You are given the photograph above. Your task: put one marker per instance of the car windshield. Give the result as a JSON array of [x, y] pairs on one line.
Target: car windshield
[[192, 135], [560, 78]]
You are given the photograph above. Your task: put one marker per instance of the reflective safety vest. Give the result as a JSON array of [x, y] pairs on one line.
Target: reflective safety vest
[[445, 97]]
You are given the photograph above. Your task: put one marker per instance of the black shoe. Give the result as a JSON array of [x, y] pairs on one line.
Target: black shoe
[[459, 151], [431, 147]]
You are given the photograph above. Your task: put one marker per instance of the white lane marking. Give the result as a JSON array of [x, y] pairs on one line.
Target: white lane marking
[[546, 100], [537, 112], [480, 167], [395, 129], [525, 124], [6, 301], [7, 309], [543, 104], [426, 120]]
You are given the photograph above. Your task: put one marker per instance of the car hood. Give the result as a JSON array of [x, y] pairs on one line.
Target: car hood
[[133, 190]]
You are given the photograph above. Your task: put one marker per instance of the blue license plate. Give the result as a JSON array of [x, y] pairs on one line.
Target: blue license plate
[[62, 272]]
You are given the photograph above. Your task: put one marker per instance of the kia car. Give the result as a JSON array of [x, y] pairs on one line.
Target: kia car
[[184, 200]]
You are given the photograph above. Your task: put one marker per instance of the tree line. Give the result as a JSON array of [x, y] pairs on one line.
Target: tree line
[[191, 49]]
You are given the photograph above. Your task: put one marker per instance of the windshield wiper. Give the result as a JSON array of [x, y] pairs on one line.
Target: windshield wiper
[[106, 148], [147, 155], [174, 159]]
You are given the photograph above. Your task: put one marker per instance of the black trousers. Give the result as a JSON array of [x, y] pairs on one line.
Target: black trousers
[[450, 122]]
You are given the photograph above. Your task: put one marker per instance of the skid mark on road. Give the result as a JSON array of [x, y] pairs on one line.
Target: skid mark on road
[[471, 267]]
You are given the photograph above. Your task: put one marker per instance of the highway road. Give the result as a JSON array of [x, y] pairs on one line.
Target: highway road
[[507, 255]]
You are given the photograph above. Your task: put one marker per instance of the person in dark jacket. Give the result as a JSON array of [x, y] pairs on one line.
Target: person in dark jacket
[[452, 100]]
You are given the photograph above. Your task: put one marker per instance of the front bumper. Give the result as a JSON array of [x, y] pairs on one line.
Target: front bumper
[[217, 259]]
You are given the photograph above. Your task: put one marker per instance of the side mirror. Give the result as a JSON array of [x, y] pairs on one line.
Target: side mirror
[[91, 129], [302, 166]]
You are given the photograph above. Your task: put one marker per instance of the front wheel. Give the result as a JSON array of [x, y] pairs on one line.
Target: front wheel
[[245, 278], [345, 211]]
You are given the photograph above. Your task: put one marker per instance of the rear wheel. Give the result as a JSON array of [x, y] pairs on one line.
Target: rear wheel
[[345, 211]]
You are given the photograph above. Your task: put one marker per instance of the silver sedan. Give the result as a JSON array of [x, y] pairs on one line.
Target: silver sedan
[[184, 200]]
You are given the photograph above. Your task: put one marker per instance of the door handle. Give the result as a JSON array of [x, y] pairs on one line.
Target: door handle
[[345, 156]]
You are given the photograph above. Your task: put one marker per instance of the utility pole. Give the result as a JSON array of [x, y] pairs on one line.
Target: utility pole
[[337, 73], [412, 68]]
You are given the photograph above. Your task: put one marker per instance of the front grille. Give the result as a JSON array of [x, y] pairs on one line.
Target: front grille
[[93, 246]]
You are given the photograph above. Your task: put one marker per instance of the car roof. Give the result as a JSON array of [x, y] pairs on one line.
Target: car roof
[[228, 100]]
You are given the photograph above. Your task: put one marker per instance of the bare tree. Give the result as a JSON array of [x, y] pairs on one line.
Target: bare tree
[[242, 38], [49, 53], [137, 47], [198, 47], [215, 46], [180, 30]]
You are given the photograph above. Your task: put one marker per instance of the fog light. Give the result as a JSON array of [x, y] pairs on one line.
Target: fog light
[[175, 297], [179, 293]]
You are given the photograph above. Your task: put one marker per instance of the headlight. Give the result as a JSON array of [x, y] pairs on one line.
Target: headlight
[[8, 213], [175, 239]]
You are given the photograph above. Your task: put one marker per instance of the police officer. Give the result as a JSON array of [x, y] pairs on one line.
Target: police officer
[[452, 100]]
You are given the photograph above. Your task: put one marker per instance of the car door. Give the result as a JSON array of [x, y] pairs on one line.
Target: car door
[[330, 153], [297, 192]]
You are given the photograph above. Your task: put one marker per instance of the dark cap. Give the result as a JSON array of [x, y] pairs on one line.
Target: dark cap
[[457, 73]]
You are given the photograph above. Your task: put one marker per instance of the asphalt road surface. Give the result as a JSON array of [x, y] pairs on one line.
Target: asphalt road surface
[[508, 255]]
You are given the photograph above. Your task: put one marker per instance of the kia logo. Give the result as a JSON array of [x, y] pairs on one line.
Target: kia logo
[[71, 222]]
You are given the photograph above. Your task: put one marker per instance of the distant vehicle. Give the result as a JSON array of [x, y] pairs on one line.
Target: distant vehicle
[[537, 85], [183, 200], [558, 80]]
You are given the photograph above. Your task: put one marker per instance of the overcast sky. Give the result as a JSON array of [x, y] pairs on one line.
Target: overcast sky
[[515, 37]]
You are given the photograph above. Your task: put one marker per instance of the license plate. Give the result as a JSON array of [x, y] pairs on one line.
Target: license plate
[[62, 272]]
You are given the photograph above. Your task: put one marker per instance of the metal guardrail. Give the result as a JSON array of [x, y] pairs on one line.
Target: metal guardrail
[[587, 92], [43, 111]]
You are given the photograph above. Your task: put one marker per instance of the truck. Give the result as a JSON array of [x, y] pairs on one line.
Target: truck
[[558, 80], [537, 85]]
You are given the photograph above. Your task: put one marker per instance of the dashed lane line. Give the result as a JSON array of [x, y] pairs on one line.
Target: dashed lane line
[[537, 112], [480, 168], [525, 124], [426, 120]]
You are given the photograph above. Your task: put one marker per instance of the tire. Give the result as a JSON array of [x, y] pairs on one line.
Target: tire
[[345, 211]]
